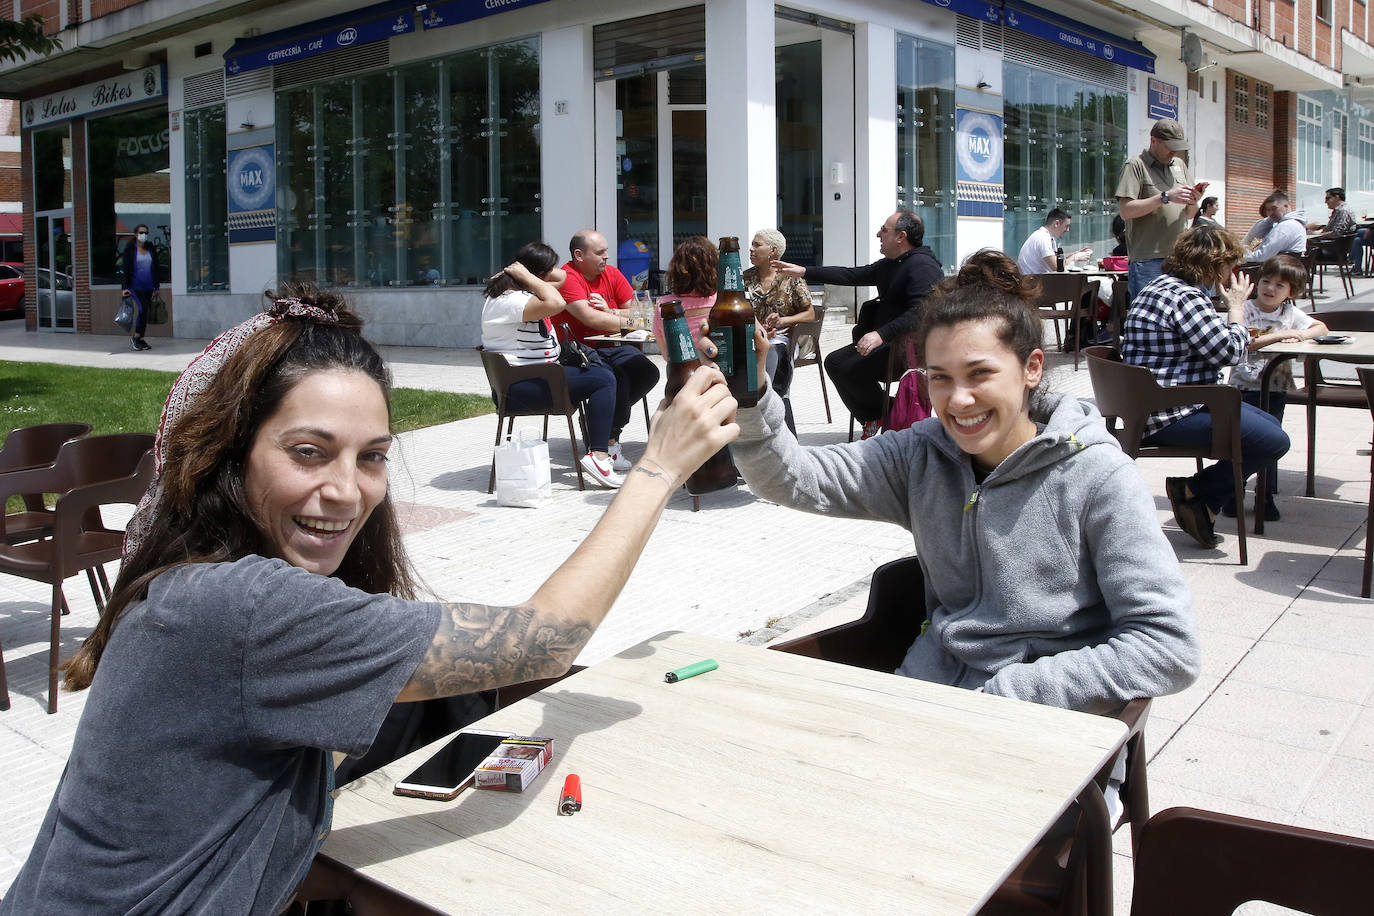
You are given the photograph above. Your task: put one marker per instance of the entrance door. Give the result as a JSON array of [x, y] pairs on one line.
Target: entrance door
[[55, 301], [661, 159]]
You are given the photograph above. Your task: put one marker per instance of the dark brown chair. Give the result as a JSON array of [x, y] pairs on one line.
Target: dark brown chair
[[805, 338], [359, 895], [1062, 299], [1332, 251], [1127, 395], [1366, 374], [89, 473], [33, 447], [879, 641], [502, 375], [1319, 391], [1204, 863]]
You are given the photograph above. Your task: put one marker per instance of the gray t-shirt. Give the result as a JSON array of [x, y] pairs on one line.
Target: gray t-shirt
[[198, 780]]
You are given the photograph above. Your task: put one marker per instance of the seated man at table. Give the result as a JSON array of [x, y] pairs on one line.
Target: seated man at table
[[1343, 222], [1281, 229], [598, 300], [1040, 253]]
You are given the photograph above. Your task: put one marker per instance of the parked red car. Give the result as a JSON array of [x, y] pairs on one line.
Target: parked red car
[[11, 290]]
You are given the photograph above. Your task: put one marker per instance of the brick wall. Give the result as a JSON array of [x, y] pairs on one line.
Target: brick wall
[[30, 254], [81, 249], [1286, 141], [1249, 152]]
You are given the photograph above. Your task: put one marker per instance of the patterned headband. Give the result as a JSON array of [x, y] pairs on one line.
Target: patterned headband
[[193, 382]]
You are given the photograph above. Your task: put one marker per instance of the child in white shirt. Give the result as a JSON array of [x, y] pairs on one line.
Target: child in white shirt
[[1272, 317]]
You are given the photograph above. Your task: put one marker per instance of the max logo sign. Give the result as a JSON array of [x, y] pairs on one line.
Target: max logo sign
[[347, 37], [980, 147]]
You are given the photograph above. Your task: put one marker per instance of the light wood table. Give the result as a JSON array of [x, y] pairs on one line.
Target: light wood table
[[1358, 350], [776, 783]]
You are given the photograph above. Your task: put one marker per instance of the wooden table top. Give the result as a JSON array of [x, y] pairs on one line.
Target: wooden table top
[[773, 783], [1360, 347]]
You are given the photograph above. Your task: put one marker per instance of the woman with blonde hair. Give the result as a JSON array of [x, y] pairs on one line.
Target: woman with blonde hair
[[1175, 331], [779, 301], [267, 618]]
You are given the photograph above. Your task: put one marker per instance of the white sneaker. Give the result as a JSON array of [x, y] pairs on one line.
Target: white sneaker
[[601, 472], [619, 462]]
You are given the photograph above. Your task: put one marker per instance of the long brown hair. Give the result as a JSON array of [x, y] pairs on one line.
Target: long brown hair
[[693, 269], [203, 513]]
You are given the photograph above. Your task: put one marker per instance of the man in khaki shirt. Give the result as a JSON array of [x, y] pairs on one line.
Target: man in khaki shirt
[[1158, 200]]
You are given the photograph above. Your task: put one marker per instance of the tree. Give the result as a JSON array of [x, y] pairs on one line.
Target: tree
[[19, 39]]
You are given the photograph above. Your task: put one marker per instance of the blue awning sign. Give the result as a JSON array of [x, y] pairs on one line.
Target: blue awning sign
[[1050, 26], [364, 26], [441, 14]]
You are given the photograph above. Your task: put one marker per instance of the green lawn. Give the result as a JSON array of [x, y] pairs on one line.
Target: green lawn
[[130, 400]]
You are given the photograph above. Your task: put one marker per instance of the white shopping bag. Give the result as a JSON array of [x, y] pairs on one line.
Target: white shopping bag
[[522, 472]]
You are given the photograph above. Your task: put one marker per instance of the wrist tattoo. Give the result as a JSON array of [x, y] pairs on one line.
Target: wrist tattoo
[[643, 470]]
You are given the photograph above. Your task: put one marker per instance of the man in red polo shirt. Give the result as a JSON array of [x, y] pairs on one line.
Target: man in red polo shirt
[[598, 298]]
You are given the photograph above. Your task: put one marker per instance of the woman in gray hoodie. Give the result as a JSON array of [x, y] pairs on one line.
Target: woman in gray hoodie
[[1047, 577]]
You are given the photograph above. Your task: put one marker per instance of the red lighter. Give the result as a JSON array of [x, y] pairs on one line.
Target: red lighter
[[571, 799]]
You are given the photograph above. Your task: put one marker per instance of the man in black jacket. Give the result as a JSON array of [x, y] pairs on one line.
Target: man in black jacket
[[905, 274]]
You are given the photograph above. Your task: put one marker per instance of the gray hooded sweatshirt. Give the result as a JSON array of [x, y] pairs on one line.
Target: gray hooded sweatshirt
[[1051, 581]]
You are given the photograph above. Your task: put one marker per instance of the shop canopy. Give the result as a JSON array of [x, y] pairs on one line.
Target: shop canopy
[[1032, 20], [354, 29]]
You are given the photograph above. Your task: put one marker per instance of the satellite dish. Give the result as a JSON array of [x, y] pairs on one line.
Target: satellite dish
[[1191, 55]]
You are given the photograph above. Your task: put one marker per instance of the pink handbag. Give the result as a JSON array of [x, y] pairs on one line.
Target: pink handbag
[[912, 401], [1115, 262]]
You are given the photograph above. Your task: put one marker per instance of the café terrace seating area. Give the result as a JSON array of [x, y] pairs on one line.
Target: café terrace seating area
[[1277, 733]]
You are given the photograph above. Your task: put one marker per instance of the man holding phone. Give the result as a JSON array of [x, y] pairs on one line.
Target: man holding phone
[[1158, 200]]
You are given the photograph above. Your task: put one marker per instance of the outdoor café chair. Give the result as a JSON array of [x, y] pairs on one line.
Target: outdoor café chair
[[1332, 251], [343, 890], [1126, 396], [32, 447], [1366, 374], [1062, 299], [502, 375], [1205, 863], [1319, 391], [805, 340], [88, 473], [879, 640]]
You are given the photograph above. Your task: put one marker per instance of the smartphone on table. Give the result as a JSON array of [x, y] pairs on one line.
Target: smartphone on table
[[452, 767]]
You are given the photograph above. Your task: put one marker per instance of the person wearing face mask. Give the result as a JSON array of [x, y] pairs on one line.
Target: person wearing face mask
[[140, 280]]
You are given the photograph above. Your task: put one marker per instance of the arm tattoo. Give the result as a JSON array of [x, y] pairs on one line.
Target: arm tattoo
[[643, 470], [478, 646]]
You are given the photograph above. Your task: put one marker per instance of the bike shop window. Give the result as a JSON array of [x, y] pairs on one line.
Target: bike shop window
[[129, 183]]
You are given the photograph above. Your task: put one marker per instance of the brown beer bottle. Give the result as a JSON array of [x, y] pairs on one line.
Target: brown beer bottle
[[719, 471], [732, 328]]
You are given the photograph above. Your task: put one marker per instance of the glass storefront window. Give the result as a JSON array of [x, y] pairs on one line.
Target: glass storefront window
[[424, 175], [52, 169], [207, 204], [1065, 145], [925, 139], [129, 183]]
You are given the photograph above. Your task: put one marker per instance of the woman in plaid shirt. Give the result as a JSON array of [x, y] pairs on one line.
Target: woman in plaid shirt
[[1174, 330]]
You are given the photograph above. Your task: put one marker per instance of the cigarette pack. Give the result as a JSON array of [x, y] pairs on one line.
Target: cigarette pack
[[514, 764]]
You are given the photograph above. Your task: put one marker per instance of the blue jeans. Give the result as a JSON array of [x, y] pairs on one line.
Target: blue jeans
[[779, 369], [1262, 442], [594, 384], [1140, 274], [635, 376], [1357, 249], [1278, 400]]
